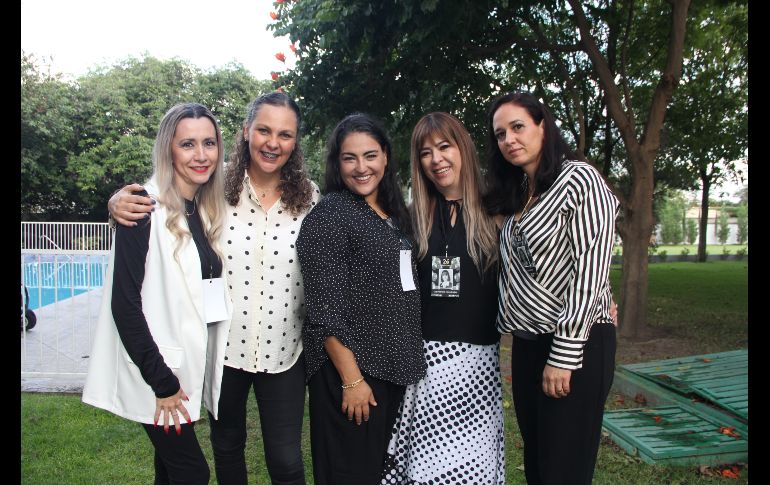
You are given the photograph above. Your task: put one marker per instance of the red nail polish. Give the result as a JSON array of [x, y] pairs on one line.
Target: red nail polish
[[178, 431], [165, 430], [189, 421]]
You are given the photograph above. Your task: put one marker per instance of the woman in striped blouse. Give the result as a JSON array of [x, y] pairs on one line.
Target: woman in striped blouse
[[555, 297]]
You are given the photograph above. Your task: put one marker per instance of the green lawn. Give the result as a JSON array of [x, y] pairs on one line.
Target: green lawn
[[66, 442], [676, 250]]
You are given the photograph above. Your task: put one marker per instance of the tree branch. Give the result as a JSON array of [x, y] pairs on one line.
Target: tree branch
[[670, 77]]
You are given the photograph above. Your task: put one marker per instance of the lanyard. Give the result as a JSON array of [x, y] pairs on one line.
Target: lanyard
[[445, 219]]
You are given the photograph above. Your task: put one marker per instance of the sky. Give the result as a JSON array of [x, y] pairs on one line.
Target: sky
[[73, 36]]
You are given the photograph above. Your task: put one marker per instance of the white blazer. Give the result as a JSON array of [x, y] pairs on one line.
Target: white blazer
[[172, 302]]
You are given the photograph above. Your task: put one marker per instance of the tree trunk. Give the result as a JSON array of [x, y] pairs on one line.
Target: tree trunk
[[638, 223], [704, 220]]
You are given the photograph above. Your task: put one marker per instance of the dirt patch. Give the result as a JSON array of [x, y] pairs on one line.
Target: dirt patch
[[654, 344]]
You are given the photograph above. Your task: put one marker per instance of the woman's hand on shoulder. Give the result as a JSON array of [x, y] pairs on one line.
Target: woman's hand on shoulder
[[170, 408], [127, 208]]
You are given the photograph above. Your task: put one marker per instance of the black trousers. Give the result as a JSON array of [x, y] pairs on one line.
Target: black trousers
[[345, 453], [178, 458], [281, 403], [561, 436]]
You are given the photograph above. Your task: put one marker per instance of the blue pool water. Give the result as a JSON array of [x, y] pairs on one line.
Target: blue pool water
[[46, 296], [49, 280]]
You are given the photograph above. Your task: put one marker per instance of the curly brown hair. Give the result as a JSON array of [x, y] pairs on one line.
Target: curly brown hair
[[296, 190]]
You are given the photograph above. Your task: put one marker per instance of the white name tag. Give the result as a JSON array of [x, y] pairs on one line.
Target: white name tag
[[407, 280], [214, 306]]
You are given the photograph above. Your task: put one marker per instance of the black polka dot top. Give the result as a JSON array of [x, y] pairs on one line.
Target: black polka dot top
[[350, 261]]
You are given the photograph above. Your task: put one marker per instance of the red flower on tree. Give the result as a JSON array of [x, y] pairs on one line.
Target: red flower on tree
[[278, 1], [274, 75], [293, 47], [280, 57], [273, 15]]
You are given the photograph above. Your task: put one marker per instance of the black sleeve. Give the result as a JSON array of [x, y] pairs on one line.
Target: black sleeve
[[131, 247]]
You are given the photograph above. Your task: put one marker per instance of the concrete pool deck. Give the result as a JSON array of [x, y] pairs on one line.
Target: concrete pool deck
[[54, 354]]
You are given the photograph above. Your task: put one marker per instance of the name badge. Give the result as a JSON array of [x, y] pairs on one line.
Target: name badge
[[445, 276], [214, 305], [407, 280], [521, 247]]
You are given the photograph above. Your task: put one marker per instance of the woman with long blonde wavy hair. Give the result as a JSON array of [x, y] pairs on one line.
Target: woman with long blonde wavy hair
[[159, 343]]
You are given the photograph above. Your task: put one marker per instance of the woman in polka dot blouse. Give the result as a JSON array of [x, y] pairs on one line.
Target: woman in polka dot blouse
[[362, 336], [450, 425], [268, 195]]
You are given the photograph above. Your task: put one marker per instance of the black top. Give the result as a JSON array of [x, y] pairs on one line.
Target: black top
[[471, 317], [350, 260], [131, 247]]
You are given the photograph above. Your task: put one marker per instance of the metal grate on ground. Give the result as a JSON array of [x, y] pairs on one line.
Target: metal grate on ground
[[676, 435], [697, 414], [721, 378]]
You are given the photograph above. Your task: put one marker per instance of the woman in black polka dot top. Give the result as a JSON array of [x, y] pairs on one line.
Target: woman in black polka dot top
[[362, 335]]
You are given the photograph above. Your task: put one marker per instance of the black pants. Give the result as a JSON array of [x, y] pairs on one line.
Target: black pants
[[178, 458], [561, 436], [345, 453], [281, 403]]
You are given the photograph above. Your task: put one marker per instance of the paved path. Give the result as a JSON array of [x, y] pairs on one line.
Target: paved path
[[54, 354]]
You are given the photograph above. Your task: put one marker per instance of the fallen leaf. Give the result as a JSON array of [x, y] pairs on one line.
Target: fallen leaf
[[729, 431], [640, 399], [620, 400], [707, 360], [520, 467], [706, 470], [509, 378], [730, 474], [507, 404], [658, 419]]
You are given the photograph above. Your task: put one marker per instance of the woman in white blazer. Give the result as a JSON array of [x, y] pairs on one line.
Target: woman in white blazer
[[160, 340]]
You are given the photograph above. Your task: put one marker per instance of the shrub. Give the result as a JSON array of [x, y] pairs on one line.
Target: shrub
[[662, 255], [741, 253], [684, 253]]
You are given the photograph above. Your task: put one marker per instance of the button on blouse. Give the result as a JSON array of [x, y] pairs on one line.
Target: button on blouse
[[265, 284]]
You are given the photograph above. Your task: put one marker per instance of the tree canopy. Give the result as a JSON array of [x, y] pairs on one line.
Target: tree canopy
[[83, 140]]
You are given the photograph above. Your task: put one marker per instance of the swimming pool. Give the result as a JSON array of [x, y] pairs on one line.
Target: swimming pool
[[56, 278]]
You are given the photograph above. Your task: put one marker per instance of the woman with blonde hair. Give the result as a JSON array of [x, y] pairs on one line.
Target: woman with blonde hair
[[159, 343], [268, 195], [450, 424]]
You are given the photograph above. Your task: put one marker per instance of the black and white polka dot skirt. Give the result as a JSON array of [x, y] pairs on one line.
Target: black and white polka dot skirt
[[450, 424]]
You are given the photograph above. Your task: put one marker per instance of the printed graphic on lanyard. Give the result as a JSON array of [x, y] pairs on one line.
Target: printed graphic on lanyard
[[521, 247], [445, 276]]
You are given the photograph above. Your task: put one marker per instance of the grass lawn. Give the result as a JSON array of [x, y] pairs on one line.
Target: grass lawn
[[676, 250], [694, 308]]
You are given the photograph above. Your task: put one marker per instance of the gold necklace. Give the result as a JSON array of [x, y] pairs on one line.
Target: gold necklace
[[381, 214], [526, 206], [264, 191]]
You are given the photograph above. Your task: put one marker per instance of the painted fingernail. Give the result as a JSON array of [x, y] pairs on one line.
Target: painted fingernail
[[153, 209], [165, 430], [146, 215], [189, 421], [153, 202], [178, 431]]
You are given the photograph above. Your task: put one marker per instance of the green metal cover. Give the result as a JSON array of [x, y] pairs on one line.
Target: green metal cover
[[675, 435], [721, 378]]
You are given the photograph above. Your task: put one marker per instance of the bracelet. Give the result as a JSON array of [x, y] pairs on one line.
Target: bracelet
[[354, 383]]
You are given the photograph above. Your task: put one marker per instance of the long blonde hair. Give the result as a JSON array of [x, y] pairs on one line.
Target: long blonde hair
[[481, 232], [211, 195]]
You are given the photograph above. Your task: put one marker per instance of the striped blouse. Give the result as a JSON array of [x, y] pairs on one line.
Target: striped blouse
[[569, 232]]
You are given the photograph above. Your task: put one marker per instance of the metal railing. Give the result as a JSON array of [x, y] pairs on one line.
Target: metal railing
[[63, 267]]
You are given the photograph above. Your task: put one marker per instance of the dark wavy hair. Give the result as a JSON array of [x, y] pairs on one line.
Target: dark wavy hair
[[505, 181], [389, 195], [296, 191]]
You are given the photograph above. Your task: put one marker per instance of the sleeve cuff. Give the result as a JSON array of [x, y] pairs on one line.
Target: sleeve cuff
[[566, 353]]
